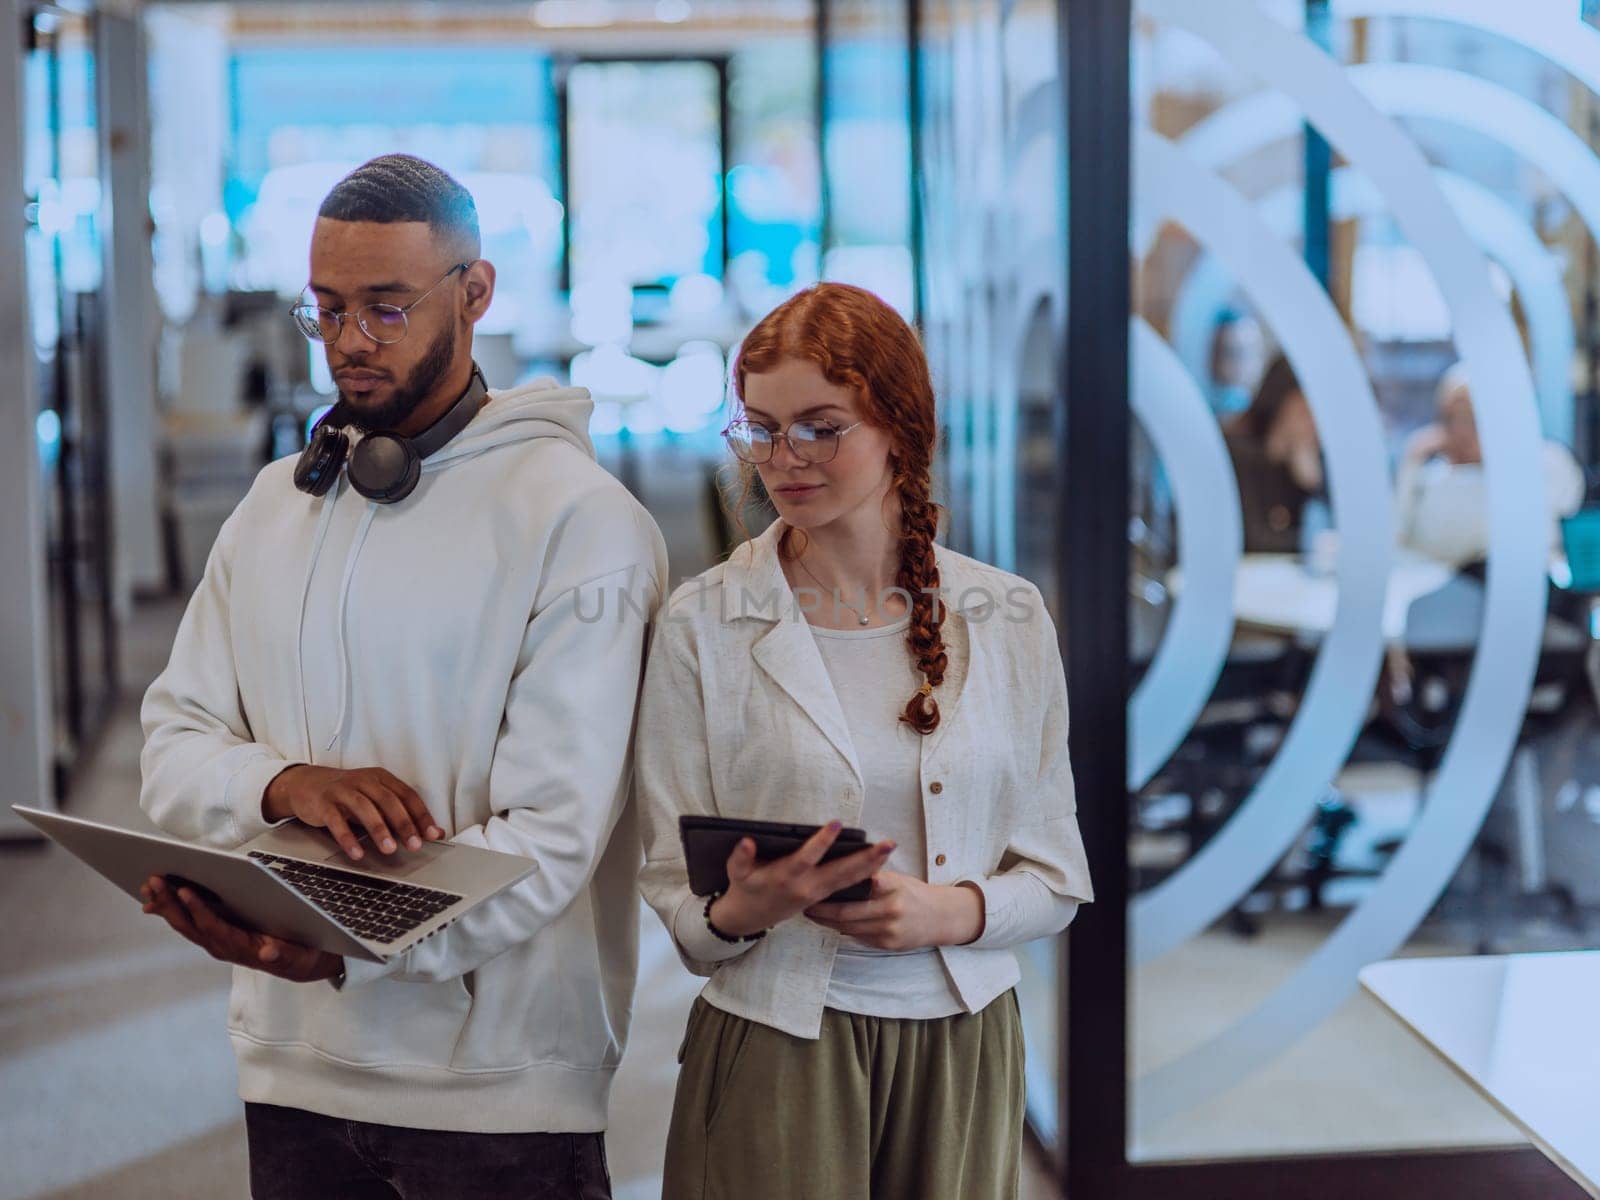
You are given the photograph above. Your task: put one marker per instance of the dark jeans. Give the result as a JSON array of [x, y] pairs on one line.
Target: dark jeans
[[297, 1155]]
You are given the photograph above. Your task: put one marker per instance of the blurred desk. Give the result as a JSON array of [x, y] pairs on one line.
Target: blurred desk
[[1521, 1029], [1279, 593]]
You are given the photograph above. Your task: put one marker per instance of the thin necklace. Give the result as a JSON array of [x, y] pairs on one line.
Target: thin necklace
[[838, 599]]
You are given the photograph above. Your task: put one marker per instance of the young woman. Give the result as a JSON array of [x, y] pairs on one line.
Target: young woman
[[843, 669]]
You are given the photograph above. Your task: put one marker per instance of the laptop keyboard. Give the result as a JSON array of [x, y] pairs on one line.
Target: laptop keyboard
[[380, 910]]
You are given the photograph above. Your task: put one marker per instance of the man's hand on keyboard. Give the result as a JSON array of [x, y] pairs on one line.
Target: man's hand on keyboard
[[369, 797], [184, 909]]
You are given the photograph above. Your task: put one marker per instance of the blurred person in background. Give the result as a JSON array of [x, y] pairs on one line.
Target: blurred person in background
[[402, 654], [1441, 500]]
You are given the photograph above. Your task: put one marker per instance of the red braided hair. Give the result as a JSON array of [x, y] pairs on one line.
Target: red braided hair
[[859, 342]]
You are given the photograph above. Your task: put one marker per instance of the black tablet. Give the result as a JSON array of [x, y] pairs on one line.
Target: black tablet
[[708, 841]]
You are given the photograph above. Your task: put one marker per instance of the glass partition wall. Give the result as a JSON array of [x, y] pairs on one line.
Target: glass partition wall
[[1291, 470], [1353, 738], [63, 247]]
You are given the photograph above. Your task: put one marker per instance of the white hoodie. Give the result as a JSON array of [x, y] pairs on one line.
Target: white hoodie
[[482, 640]]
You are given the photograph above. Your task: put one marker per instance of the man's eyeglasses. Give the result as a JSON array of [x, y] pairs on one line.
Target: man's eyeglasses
[[385, 323], [811, 441]]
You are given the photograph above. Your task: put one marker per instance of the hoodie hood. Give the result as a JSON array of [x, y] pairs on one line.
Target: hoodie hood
[[542, 408]]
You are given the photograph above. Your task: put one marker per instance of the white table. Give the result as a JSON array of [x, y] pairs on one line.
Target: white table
[[1524, 1030], [1280, 594], [1277, 592]]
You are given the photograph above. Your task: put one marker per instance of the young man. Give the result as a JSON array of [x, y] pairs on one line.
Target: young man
[[414, 668]]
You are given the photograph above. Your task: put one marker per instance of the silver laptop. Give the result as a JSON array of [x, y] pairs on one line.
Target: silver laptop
[[294, 882]]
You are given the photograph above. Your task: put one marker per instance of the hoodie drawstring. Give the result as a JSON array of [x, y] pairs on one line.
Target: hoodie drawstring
[[323, 521], [341, 655]]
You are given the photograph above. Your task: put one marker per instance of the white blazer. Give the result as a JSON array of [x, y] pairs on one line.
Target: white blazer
[[739, 718]]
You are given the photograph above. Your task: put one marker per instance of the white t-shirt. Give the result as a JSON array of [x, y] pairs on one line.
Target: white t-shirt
[[873, 675]]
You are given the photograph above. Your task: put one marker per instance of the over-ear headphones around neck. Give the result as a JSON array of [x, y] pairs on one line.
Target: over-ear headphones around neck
[[384, 466]]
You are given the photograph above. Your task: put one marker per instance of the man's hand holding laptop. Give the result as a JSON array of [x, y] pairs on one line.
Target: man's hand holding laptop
[[182, 908], [386, 807]]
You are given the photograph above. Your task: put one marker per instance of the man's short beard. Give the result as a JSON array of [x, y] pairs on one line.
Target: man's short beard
[[410, 395]]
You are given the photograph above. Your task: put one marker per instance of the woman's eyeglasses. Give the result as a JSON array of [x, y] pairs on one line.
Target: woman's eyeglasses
[[811, 441]]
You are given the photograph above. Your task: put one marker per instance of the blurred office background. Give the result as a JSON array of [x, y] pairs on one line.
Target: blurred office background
[[1296, 431]]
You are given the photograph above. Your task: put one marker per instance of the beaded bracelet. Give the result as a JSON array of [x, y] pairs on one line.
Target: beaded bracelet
[[728, 937]]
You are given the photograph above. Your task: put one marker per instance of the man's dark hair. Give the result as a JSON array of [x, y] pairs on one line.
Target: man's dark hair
[[401, 187]]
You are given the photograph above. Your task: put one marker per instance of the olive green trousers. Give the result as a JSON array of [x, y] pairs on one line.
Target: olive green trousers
[[875, 1109]]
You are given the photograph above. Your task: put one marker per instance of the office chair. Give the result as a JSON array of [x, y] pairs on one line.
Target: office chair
[[1442, 631], [1225, 754]]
